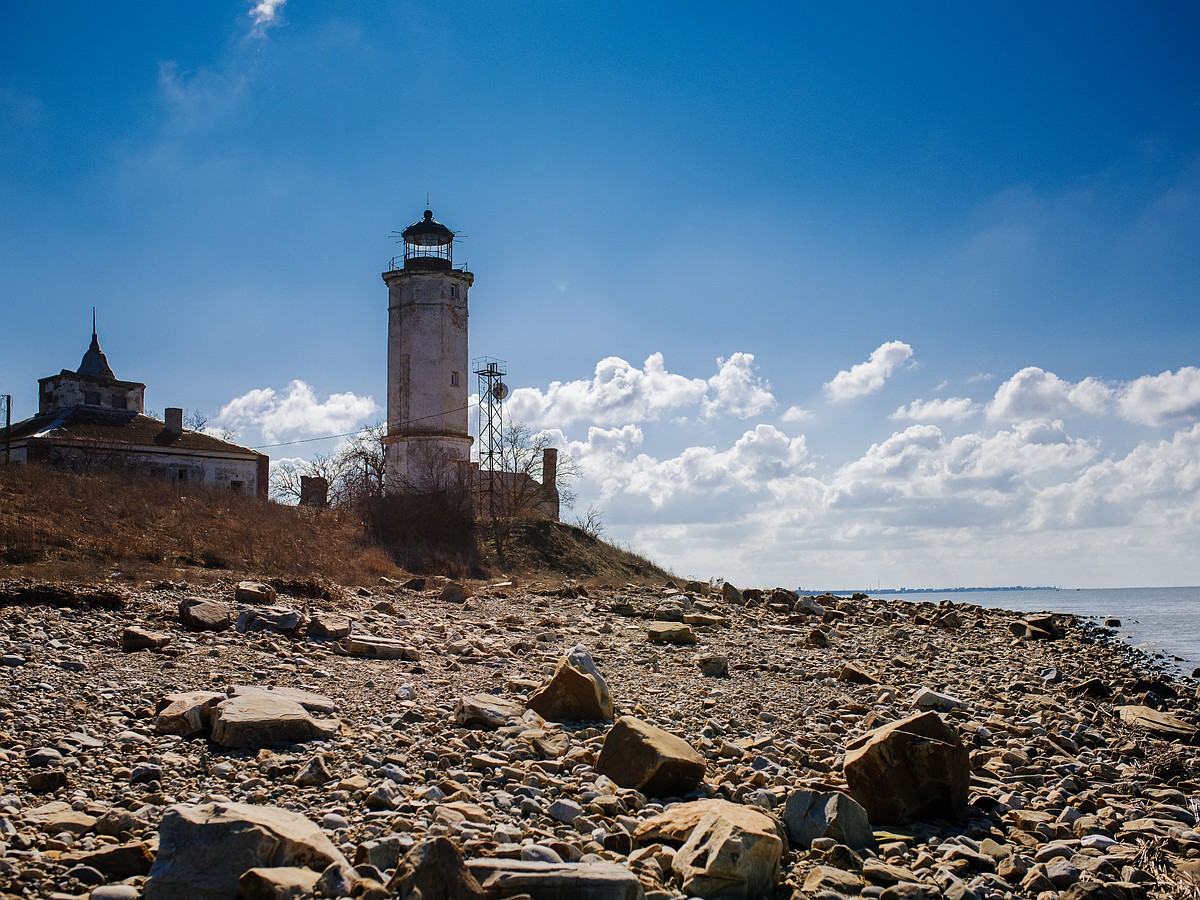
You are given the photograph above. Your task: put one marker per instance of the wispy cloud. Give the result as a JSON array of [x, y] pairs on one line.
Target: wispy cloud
[[868, 377], [265, 13], [953, 408]]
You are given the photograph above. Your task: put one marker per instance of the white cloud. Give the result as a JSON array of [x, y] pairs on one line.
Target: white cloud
[[1160, 399], [296, 412], [952, 408], [264, 13], [737, 389], [797, 414], [868, 377], [1036, 394], [618, 393]]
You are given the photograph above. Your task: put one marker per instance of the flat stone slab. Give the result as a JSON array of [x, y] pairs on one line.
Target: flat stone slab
[[261, 720], [379, 647], [1162, 724], [555, 881], [315, 703]]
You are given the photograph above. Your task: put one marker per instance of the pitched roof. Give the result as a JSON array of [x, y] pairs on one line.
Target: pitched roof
[[88, 424]]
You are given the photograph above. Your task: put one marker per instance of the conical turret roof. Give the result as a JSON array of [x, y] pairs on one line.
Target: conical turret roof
[[95, 363]]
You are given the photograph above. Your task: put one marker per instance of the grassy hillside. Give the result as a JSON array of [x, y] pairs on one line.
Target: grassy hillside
[[61, 525]]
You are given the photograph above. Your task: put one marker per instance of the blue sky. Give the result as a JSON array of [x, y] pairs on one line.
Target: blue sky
[[833, 295]]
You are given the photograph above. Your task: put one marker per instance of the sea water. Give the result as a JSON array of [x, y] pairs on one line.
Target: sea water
[[1162, 621]]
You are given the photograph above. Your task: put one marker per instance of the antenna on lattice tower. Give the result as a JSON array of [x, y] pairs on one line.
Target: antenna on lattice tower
[[492, 393]]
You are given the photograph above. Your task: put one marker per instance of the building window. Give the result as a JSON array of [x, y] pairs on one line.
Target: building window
[[182, 475], [454, 290], [119, 401], [91, 398], [237, 486], [453, 379]]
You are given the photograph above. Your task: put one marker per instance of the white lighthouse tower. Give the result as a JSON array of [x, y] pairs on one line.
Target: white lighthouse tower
[[428, 364]]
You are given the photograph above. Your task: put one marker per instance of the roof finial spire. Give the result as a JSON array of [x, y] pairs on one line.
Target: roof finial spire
[[93, 323]]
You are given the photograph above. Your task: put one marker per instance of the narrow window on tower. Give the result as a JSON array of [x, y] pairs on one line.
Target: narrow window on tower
[[453, 379], [454, 290]]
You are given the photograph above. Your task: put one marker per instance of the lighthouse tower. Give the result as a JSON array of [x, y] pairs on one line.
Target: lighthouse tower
[[428, 364]]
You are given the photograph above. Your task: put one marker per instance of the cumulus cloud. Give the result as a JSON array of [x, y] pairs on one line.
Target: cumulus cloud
[[1161, 399], [619, 393], [296, 411], [737, 389], [1156, 484], [1033, 393], [868, 377], [952, 408]]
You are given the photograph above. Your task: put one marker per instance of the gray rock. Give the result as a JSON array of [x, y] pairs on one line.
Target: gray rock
[[814, 814], [269, 618], [254, 592], [204, 615]]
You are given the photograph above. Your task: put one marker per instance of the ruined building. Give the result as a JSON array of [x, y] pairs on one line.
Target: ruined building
[[428, 396], [89, 419]]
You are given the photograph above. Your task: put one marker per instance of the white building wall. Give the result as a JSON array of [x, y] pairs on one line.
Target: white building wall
[[428, 372]]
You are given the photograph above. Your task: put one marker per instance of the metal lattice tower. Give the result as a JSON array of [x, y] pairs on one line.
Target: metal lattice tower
[[6, 419], [492, 391]]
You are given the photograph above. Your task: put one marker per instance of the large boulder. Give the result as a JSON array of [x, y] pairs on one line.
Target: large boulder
[[729, 850], [204, 850], [813, 814], [260, 720], [576, 692], [204, 615], [434, 870], [907, 769], [657, 763], [329, 626]]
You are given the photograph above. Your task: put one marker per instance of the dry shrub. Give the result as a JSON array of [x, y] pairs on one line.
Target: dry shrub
[[431, 532]]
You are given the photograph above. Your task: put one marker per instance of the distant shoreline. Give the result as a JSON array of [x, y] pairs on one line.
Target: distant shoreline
[[944, 590]]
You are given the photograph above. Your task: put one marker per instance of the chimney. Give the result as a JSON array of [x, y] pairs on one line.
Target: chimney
[[549, 467], [174, 419]]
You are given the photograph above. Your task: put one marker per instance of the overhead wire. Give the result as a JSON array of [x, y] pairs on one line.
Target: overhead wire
[[329, 437]]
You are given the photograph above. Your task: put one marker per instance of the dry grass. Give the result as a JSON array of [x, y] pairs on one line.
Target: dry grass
[[57, 525], [61, 525]]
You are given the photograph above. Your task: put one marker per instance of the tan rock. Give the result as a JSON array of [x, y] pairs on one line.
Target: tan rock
[[434, 869], [373, 647], [204, 615], [486, 711], [729, 850], [115, 860], [1160, 724], [135, 638], [576, 692], [657, 763], [205, 849], [187, 714], [455, 593], [329, 626], [277, 883], [261, 720], [57, 816], [254, 592], [554, 881], [670, 633], [914, 767]]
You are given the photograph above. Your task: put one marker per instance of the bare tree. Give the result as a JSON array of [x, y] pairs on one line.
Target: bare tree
[[592, 521], [354, 472]]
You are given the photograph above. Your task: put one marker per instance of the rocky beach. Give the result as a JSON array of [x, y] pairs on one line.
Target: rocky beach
[[427, 738]]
